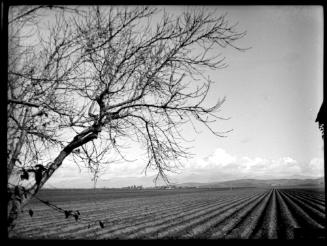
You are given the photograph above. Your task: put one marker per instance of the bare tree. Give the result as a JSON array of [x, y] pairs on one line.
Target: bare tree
[[100, 77]]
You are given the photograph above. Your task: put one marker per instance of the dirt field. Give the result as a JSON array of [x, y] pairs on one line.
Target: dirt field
[[181, 213]]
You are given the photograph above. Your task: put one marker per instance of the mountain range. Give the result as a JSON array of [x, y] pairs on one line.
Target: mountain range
[[147, 181], [257, 183]]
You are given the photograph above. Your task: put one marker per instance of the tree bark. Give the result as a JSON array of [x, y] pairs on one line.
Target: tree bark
[[18, 198]]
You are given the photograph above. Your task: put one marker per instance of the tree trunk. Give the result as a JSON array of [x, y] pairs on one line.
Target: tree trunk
[[13, 212], [18, 198]]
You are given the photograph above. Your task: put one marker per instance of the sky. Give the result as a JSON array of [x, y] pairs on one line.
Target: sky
[[274, 90]]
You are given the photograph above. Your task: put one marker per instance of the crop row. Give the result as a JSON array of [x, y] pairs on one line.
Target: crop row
[[210, 214]]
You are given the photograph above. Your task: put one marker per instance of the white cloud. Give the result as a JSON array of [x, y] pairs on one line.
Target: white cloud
[[219, 166], [316, 167], [221, 157], [222, 165]]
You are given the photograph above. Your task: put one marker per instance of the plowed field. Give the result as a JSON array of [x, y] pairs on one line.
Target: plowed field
[[246, 213]]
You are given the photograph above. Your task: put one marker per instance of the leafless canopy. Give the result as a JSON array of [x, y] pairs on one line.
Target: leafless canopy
[[98, 77]]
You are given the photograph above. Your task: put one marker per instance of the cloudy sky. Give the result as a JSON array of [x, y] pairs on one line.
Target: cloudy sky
[[273, 90]]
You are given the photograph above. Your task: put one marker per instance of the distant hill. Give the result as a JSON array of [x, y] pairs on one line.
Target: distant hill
[[192, 184], [116, 182], [257, 183], [147, 181]]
